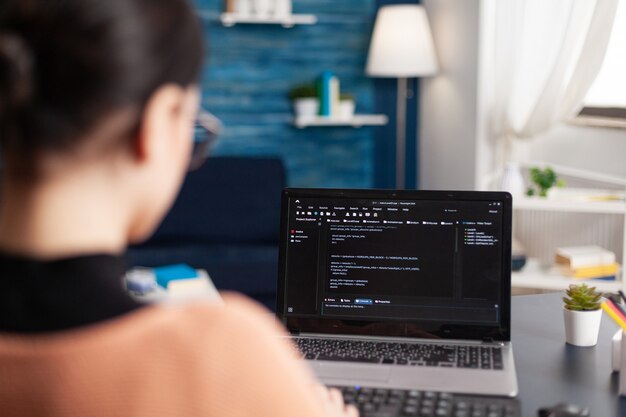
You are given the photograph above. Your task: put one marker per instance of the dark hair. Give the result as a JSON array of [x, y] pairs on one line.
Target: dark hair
[[67, 64]]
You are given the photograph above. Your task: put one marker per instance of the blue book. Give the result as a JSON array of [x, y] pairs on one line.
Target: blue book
[[324, 93], [606, 278], [165, 274]]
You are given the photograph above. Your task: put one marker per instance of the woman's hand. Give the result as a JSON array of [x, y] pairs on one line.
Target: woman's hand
[[332, 401]]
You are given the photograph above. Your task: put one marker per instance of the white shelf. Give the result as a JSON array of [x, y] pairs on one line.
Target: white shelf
[[357, 120], [605, 198], [539, 203], [231, 19], [536, 277]]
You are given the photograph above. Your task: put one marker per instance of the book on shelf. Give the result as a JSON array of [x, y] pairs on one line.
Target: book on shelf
[[328, 92], [558, 272], [576, 257], [607, 278], [591, 272]]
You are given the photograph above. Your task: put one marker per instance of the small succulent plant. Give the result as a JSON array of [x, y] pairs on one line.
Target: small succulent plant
[[303, 91], [582, 298]]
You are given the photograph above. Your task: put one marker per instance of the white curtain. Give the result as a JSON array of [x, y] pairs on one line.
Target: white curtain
[[542, 57]]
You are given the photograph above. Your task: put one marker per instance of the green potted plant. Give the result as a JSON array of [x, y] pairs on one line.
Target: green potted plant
[[543, 180], [582, 315], [347, 105], [305, 100]]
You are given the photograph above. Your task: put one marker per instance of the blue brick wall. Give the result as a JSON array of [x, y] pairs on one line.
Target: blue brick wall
[[251, 68]]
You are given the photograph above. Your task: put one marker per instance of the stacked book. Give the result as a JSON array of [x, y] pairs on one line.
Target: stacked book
[[328, 92], [587, 262]]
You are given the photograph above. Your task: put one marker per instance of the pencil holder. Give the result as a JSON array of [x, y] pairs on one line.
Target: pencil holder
[[622, 373], [616, 351]]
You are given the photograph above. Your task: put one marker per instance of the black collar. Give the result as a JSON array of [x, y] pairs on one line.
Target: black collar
[[42, 296]]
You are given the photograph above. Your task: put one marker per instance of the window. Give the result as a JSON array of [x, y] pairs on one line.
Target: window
[[605, 103]]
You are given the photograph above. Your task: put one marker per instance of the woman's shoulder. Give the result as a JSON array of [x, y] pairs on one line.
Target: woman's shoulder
[[234, 312], [235, 317], [159, 327], [199, 324], [204, 359]]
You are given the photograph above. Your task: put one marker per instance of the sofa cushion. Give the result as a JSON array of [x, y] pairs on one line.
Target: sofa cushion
[[227, 200]]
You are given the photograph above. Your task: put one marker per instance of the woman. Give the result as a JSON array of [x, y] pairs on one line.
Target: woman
[[97, 100]]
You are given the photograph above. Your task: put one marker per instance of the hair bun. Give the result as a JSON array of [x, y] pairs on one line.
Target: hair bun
[[16, 62]]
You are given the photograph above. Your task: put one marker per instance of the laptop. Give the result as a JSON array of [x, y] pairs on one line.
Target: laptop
[[399, 289]]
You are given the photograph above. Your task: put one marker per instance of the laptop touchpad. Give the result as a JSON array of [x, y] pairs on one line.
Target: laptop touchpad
[[349, 371]]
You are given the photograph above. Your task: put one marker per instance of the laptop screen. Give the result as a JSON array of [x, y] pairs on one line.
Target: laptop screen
[[423, 263]]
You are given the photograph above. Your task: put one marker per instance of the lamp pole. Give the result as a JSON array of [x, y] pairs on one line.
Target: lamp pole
[[401, 47], [401, 133]]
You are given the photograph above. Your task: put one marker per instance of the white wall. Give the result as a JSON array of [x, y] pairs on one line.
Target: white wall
[[590, 148], [455, 153], [448, 115]]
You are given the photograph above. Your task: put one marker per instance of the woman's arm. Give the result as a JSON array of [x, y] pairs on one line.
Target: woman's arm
[[259, 373]]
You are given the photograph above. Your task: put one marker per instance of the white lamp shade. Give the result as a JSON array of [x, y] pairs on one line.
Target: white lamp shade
[[402, 44]]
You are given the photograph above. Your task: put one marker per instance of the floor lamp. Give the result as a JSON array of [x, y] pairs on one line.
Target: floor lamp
[[401, 47]]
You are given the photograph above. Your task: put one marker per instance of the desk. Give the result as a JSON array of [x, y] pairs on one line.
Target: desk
[[549, 371]]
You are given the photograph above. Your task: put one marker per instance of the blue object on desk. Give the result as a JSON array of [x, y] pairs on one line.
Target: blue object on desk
[[140, 281], [225, 221], [165, 274]]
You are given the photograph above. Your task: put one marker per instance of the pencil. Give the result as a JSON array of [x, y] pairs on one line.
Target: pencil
[[616, 318], [617, 308]]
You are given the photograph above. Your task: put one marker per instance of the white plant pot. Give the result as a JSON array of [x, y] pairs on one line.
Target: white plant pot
[[306, 107], [582, 327], [346, 109], [243, 7], [282, 9], [263, 8]]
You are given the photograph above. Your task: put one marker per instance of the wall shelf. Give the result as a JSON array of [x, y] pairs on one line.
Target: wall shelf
[[358, 120], [231, 19], [539, 203], [541, 224], [536, 277]]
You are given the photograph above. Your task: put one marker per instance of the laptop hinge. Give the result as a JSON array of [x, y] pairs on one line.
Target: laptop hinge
[[488, 340]]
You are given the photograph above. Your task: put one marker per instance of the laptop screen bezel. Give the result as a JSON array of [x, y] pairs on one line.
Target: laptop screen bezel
[[306, 324]]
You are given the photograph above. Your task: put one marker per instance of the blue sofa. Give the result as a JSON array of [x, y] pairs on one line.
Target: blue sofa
[[225, 220]]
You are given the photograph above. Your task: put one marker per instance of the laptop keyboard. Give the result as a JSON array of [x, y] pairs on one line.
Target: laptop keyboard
[[403, 403], [409, 354]]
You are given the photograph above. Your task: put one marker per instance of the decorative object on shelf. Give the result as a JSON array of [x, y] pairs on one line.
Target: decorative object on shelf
[[587, 262], [347, 106], [513, 180], [543, 180], [570, 216], [230, 6], [277, 12], [263, 8], [328, 93], [282, 8], [401, 46], [535, 276], [321, 104], [305, 100], [582, 315], [243, 7]]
